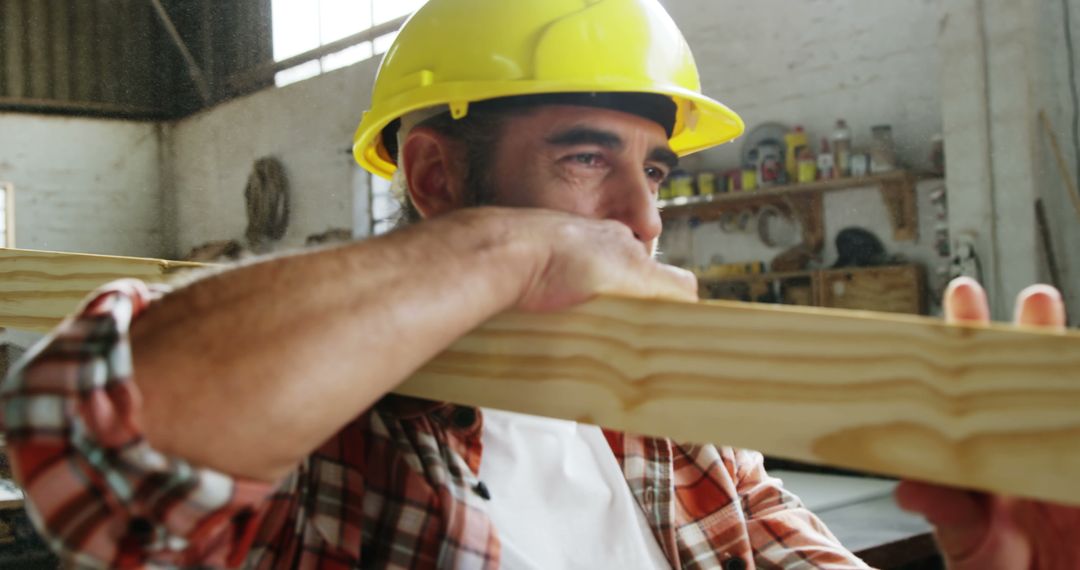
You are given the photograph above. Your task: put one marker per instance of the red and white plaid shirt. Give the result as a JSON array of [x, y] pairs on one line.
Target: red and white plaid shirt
[[395, 488]]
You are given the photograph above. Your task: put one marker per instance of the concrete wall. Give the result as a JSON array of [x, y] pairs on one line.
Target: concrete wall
[[307, 125], [1052, 93], [813, 62], [1005, 61], [84, 185]]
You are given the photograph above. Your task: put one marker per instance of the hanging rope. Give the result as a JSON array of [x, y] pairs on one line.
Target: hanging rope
[[267, 196]]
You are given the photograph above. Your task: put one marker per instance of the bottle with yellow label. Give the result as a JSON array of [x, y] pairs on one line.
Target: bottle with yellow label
[[807, 166], [795, 141]]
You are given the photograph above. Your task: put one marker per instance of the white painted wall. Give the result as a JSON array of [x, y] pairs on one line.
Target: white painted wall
[[307, 125], [1051, 91], [812, 62], [1004, 61], [83, 185]]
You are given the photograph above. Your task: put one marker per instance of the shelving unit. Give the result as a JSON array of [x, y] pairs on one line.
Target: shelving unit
[[890, 289], [804, 201]]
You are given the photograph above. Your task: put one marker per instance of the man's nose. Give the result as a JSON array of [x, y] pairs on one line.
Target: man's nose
[[630, 200]]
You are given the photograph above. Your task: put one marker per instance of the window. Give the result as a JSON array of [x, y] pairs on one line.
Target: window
[[300, 26], [7, 215]]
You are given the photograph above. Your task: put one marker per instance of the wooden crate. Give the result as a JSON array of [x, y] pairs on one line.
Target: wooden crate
[[894, 289]]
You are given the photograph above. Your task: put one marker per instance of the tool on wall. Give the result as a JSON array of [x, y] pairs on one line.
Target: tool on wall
[[1047, 244], [1070, 182], [267, 197]]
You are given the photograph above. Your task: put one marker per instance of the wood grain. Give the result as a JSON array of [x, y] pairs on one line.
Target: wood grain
[[38, 289], [991, 408]]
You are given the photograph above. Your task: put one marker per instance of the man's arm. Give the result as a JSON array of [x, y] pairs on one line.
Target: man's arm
[[248, 370]]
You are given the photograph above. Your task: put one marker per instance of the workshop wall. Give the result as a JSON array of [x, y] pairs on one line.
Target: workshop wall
[[307, 125], [84, 185], [1055, 93], [799, 63], [811, 63]]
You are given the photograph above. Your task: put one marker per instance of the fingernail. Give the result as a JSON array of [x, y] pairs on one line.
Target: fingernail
[[1041, 306], [965, 301]]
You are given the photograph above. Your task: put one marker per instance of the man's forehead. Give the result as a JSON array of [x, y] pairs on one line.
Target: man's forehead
[[556, 118]]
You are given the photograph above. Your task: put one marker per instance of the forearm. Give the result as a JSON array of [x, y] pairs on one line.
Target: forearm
[[248, 370]]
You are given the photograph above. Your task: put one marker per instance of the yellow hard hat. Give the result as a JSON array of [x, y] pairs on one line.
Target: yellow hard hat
[[457, 52]]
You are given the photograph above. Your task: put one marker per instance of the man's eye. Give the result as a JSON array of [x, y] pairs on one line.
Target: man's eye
[[588, 159], [655, 174]]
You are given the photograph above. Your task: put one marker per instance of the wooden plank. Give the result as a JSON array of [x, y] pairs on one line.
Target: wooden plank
[[37, 289], [993, 408], [14, 55]]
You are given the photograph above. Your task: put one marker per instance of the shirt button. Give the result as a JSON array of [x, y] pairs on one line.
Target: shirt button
[[735, 564], [481, 489], [463, 418], [141, 531]]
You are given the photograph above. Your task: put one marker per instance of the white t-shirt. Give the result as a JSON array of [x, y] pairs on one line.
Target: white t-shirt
[[559, 498]]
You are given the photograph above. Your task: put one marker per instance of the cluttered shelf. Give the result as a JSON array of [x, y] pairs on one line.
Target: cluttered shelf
[[681, 204], [893, 288], [897, 190]]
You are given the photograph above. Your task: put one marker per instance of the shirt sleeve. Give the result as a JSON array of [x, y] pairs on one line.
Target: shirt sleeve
[[783, 532], [97, 491]]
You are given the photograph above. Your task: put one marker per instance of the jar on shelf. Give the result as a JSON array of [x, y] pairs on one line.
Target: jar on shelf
[[882, 150]]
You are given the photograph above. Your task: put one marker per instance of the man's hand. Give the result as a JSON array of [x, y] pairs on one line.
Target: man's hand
[[986, 532], [580, 258]]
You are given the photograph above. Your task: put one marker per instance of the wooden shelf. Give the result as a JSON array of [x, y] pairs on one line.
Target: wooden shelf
[[778, 276], [804, 200], [886, 288]]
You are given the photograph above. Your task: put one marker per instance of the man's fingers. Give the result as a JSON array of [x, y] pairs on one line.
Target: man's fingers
[[960, 518], [683, 281], [940, 505], [657, 281], [965, 302], [1040, 306]]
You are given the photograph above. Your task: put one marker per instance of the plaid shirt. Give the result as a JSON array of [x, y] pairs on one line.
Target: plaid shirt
[[395, 488]]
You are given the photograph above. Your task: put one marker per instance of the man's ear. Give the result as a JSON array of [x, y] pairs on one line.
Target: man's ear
[[434, 172]]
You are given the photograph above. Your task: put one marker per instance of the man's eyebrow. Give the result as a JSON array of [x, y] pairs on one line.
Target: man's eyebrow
[[665, 156], [584, 135]]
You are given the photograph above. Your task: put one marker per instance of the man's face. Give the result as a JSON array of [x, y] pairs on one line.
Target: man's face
[[592, 162]]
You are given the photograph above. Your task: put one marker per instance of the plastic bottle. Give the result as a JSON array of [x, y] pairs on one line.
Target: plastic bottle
[[807, 166], [826, 166], [841, 141], [882, 150], [795, 141]]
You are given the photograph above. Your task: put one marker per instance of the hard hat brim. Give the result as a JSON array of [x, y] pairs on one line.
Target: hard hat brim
[[701, 122]]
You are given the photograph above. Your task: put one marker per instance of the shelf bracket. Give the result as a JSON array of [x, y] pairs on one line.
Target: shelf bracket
[[808, 209], [901, 202]]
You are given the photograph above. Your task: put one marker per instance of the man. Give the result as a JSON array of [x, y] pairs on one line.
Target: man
[[244, 419]]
